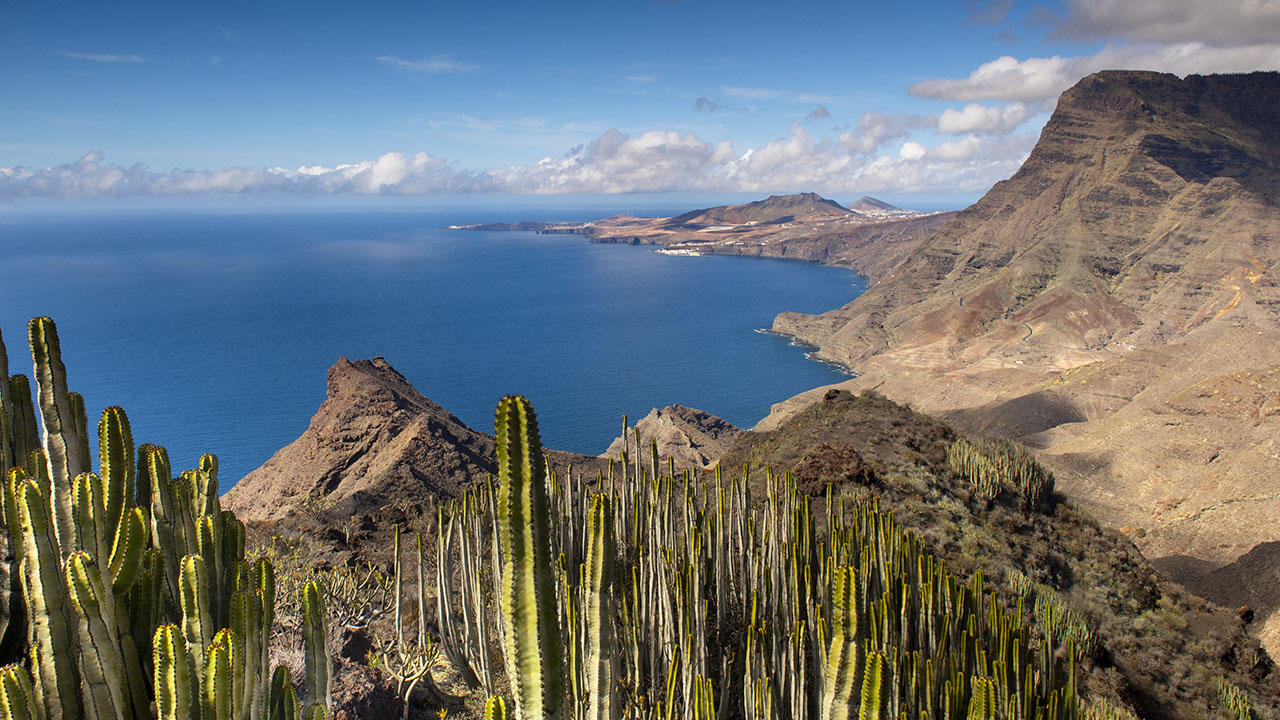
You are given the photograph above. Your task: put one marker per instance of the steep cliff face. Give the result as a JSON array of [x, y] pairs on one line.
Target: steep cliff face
[[1146, 211], [1114, 303], [375, 440]]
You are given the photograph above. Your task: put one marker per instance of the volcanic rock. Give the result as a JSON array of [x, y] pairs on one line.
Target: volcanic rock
[[692, 437], [374, 441]]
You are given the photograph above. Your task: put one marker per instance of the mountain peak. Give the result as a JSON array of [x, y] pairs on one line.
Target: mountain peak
[[773, 209], [376, 440], [866, 203]]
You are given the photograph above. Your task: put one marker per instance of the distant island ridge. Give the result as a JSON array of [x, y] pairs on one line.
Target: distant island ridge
[[802, 226]]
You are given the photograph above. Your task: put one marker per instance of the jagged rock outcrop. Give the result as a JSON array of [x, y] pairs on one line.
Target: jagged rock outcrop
[[692, 437], [1115, 304], [375, 440]]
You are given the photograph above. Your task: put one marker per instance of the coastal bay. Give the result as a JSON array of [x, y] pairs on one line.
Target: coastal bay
[[215, 330]]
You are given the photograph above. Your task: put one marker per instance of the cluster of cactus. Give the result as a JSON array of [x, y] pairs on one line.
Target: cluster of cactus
[[1056, 614], [125, 560], [1102, 709], [406, 657], [354, 596], [1234, 700], [662, 595], [991, 465]]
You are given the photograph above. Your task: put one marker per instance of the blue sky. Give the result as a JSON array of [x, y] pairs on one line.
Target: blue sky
[[282, 98]]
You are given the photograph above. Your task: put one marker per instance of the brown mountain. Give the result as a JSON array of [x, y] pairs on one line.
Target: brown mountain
[[796, 227], [873, 206], [374, 441], [1114, 303], [805, 207]]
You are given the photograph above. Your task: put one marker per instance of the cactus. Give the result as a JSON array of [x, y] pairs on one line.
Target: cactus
[[722, 599], [528, 591], [105, 686], [598, 609], [842, 653], [283, 700], [315, 641], [65, 448], [22, 420], [120, 561], [48, 628], [6, 412], [872, 688], [1234, 700], [992, 464], [219, 678], [495, 708], [17, 696]]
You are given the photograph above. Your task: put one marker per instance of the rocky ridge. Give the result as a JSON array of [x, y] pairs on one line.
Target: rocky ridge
[[374, 441], [693, 438]]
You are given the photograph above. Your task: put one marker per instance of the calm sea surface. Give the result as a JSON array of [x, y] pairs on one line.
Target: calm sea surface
[[214, 330]]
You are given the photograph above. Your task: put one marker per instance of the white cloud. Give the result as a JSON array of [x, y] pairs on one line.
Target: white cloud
[[641, 79], [90, 176], [436, 64], [1219, 23], [103, 57], [912, 151], [1042, 79], [955, 150], [875, 129], [615, 162], [653, 161], [983, 120]]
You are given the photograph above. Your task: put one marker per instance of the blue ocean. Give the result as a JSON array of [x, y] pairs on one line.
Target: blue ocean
[[214, 329]]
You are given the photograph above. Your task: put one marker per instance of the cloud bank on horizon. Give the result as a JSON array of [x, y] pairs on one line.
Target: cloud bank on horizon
[[964, 148], [653, 161]]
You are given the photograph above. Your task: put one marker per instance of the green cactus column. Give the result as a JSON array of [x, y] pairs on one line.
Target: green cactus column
[[25, 433], [532, 636], [6, 412], [49, 637], [598, 609], [174, 679], [17, 696], [315, 644], [842, 655], [66, 448]]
